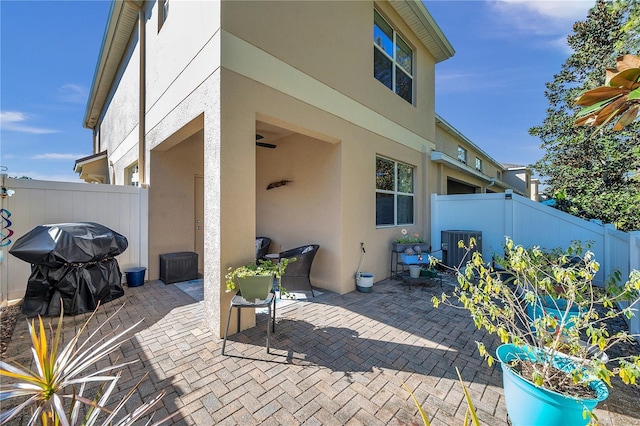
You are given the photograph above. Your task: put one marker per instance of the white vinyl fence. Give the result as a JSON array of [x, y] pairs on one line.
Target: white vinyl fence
[[121, 208], [533, 224]]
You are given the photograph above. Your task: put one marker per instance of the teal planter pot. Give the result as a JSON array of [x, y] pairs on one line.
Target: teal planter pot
[[555, 308], [530, 405]]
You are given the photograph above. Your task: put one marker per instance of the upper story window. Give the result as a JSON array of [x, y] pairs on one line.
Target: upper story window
[[132, 175], [499, 175], [392, 59], [462, 154], [394, 193], [478, 164], [163, 12]]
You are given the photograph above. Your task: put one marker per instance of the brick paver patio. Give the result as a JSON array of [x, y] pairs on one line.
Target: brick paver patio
[[336, 359]]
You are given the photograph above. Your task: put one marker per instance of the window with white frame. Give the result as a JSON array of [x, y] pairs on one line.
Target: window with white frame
[[394, 193], [131, 173], [462, 154], [479, 164], [392, 59], [163, 12]]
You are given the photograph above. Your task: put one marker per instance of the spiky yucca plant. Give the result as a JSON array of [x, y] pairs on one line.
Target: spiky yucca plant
[[55, 388]]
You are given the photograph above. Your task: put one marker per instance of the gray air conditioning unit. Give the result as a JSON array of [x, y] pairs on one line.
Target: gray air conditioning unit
[[452, 255]]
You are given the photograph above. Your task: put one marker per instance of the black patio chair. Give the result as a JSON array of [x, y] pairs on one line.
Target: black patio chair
[[262, 247], [296, 276]]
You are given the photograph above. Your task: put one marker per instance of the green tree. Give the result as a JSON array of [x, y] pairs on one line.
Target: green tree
[[594, 176]]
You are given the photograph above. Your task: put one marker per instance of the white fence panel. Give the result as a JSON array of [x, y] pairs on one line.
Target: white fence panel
[[121, 208], [530, 224], [476, 212], [617, 252]]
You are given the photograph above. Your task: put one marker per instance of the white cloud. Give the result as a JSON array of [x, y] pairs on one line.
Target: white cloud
[[566, 10], [56, 156], [541, 17], [11, 120], [73, 93], [483, 79], [70, 177]]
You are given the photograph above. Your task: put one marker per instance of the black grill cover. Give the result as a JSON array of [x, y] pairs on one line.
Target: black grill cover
[[61, 243], [72, 264], [78, 286]]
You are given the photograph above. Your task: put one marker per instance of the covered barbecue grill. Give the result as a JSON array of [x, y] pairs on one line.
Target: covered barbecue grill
[[73, 263]]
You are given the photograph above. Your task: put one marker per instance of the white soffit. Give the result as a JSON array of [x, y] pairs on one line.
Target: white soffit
[[416, 15], [121, 23]]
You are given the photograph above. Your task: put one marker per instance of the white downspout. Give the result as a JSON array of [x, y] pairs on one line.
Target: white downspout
[[493, 181]]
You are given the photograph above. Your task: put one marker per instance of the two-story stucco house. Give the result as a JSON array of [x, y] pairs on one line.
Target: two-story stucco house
[[462, 167], [207, 103]]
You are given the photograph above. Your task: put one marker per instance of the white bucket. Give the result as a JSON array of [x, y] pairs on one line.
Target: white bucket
[[365, 283], [414, 271]]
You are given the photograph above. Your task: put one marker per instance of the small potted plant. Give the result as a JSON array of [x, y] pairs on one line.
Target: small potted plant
[[409, 242], [255, 280], [550, 376]]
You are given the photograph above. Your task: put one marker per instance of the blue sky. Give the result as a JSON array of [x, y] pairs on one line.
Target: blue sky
[[492, 90]]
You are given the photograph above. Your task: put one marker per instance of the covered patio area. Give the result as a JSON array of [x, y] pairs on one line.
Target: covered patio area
[[336, 359]]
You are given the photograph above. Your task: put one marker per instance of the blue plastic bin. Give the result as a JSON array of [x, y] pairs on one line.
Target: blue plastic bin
[[135, 276]]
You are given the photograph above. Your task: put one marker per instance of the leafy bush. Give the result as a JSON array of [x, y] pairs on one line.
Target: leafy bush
[[500, 300]]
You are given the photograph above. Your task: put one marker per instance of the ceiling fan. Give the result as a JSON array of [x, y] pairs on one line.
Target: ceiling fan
[[263, 144]]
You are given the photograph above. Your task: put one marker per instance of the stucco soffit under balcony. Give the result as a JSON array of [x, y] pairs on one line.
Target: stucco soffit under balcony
[[123, 17], [442, 158], [418, 18], [284, 78]]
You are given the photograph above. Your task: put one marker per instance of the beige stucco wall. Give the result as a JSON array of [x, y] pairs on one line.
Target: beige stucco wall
[[118, 127], [311, 71], [332, 42], [171, 50], [331, 200], [172, 198]]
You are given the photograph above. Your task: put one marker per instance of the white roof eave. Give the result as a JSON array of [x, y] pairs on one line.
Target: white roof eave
[[416, 15]]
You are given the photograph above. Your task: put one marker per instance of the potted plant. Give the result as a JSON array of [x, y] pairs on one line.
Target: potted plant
[[409, 242], [542, 384], [255, 280]]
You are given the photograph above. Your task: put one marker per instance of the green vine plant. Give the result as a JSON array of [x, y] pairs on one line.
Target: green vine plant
[[530, 298], [56, 389], [261, 268]]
